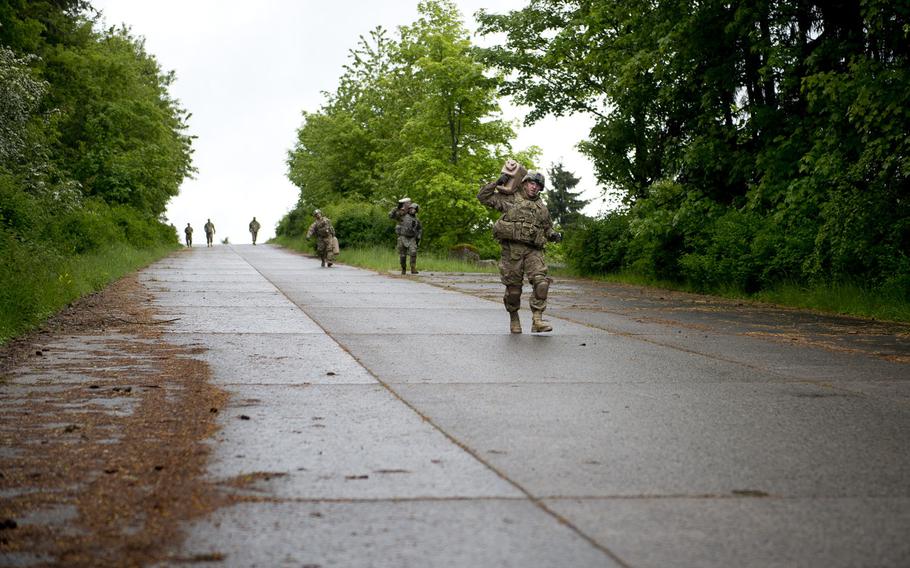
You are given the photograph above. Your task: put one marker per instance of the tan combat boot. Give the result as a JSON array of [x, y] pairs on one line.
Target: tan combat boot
[[514, 322], [537, 323]]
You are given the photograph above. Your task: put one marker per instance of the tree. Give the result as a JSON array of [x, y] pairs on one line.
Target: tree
[[417, 115], [789, 116], [564, 205]]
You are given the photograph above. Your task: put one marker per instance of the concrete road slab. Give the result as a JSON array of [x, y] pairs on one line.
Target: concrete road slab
[[223, 299], [222, 276], [342, 442], [465, 321], [240, 319], [393, 534], [261, 285], [681, 439], [893, 391], [786, 359], [536, 358], [677, 440], [279, 359], [416, 299], [747, 532]]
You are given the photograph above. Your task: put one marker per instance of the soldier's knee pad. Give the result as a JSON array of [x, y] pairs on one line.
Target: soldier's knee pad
[[541, 289], [512, 298]]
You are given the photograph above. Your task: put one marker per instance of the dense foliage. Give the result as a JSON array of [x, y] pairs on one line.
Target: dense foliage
[[91, 149], [417, 116], [753, 142]]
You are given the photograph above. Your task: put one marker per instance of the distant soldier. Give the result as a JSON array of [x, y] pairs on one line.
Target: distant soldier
[[522, 231], [324, 232], [188, 231], [209, 233], [254, 229], [409, 232]]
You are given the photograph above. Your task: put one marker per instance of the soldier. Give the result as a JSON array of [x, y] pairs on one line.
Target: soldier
[[522, 231], [254, 229], [409, 232], [189, 235], [209, 233], [322, 228]]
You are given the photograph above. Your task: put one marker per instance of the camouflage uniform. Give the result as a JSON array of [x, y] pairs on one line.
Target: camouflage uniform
[[324, 232], [189, 235], [522, 231], [410, 231], [209, 233], [254, 229]]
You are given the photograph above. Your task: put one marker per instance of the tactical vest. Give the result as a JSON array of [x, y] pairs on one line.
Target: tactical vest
[[407, 228], [322, 228], [525, 222]]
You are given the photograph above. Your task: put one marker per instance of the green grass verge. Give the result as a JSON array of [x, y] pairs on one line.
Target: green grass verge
[[385, 259], [849, 299], [34, 285], [844, 299]]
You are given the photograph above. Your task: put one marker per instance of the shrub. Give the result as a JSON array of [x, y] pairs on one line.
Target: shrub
[[361, 224], [595, 246]]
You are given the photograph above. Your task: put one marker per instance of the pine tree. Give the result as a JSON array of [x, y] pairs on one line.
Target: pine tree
[[563, 203]]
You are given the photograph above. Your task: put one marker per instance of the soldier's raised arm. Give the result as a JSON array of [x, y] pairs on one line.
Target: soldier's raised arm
[[490, 197], [311, 230]]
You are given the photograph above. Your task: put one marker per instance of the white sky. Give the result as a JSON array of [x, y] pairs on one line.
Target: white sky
[[246, 70]]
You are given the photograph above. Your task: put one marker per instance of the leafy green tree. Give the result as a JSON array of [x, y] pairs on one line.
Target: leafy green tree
[[92, 146], [787, 118], [417, 115], [20, 96], [563, 203]]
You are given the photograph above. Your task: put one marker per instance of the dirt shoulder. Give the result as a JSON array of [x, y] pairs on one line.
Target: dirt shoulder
[[102, 430]]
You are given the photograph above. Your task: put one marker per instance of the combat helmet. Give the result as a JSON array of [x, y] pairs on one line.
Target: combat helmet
[[536, 177], [317, 212]]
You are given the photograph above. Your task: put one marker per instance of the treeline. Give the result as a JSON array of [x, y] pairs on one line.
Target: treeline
[[92, 147], [416, 114], [753, 143]]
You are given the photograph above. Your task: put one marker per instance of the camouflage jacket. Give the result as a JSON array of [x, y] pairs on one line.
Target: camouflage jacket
[[524, 220], [410, 228], [322, 228]]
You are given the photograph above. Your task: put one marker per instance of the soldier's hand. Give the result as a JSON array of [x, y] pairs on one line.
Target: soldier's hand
[[503, 179]]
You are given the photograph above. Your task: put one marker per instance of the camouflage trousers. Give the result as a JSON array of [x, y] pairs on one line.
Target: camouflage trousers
[[407, 246], [517, 262], [324, 248]]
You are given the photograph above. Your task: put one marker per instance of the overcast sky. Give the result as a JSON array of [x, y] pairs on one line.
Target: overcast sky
[[246, 70]]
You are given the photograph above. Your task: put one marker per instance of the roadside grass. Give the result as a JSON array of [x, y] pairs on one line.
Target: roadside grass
[[849, 299], [385, 259], [846, 299], [35, 286]]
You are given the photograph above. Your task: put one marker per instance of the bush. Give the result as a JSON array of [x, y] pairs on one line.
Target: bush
[[596, 246], [361, 224]]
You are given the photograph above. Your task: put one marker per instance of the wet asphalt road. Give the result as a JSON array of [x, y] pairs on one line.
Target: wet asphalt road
[[395, 423]]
